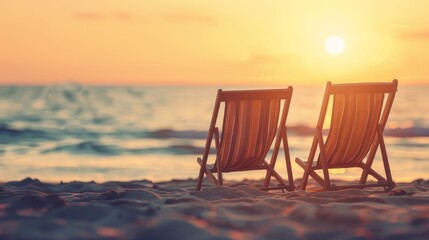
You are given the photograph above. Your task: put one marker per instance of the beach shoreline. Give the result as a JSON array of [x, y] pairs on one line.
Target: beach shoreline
[[142, 209]]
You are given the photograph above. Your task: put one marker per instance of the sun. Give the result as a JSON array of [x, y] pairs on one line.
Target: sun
[[334, 45]]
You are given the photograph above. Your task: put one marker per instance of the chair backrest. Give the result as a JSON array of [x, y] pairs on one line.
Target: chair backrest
[[251, 120], [357, 110]]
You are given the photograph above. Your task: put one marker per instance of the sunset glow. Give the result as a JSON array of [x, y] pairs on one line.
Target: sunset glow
[[206, 43], [334, 45]]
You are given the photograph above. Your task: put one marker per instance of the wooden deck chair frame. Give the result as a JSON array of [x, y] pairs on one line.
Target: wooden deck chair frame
[[318, 141], [280, 135]]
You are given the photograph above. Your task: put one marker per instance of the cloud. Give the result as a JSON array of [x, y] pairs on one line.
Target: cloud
[[258, 67], [189, 18], [95, 16], [178, 17], [88, 16], [122, 15], [415, 35], [263, 58]]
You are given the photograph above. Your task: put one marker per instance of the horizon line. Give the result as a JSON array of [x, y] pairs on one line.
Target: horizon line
[[187, 84]]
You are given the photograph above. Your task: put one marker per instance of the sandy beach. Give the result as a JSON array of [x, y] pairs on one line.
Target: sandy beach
[[31, 209]]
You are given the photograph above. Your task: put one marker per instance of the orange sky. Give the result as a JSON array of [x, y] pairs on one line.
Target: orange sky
[[212, 42]]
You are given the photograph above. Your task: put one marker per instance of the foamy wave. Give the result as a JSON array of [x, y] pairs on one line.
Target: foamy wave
[[407, 132], [14, 135], [299, 130], [95, 148]]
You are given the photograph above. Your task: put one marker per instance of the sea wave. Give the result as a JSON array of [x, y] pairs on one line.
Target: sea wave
[[299, 130], [95, 148], [14, 135]]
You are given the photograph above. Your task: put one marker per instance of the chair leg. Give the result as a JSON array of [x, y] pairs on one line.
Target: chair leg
[[369, 160], [327, 185], [200, 176], [306, 175], [217, 144], [304, 181], [287, 159], [267, 178], [220, 179], [367, 166], [268, 174], [270, 167], [385, 159]]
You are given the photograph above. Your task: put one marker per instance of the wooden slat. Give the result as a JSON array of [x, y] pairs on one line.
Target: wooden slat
[[207, 171], [364, 88], [281, 187], [274, 173], [372, 172], [301, 163], [239, 169], [384, 184], [337, 166], [256, 94]]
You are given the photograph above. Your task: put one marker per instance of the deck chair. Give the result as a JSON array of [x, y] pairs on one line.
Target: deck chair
[[251, 121], [359, 115]]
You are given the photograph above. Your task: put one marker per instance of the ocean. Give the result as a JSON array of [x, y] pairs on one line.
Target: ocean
[[69, 132]]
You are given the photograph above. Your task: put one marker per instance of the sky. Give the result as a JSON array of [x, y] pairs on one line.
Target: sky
[[222, 42]]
